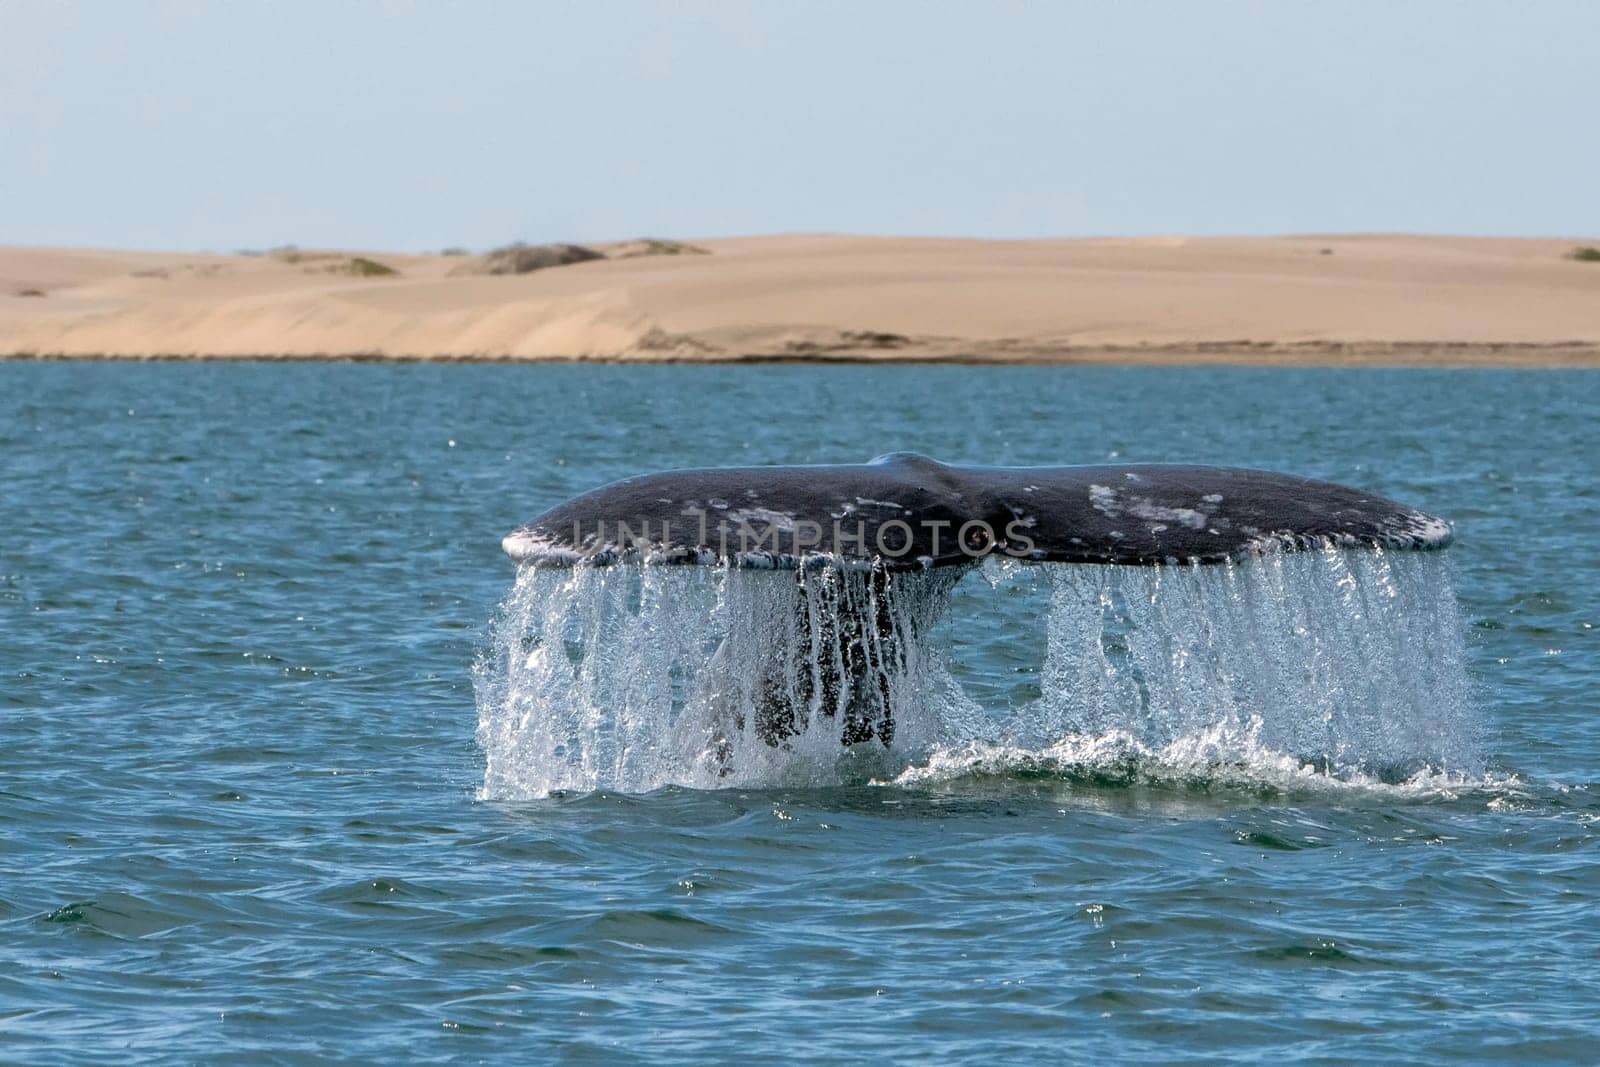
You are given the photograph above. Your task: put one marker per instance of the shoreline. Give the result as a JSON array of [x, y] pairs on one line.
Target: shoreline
[[1307, 300], [1320, 354]]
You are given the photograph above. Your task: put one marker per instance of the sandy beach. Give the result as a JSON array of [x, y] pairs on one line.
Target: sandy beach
[[1300, 300]]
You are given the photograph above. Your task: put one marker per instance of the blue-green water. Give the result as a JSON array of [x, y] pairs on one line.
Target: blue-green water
[[243, 806]]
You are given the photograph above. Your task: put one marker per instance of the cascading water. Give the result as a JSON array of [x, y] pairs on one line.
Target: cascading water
[[633, 677], [1342, 663]]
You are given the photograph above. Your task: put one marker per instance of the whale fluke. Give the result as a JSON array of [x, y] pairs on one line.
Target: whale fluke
[[905, 512], [853, 625]]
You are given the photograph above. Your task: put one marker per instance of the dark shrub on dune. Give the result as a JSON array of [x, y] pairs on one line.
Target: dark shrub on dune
[[523, 259], [362, 267], [652, 246]]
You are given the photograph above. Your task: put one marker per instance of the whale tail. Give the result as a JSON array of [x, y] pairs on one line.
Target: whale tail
[[838, 645], [906, 512]]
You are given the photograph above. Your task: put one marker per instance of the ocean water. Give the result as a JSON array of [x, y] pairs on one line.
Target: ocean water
[[278, 780]]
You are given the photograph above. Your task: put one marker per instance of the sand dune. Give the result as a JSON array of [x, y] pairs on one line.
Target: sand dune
[[1308, 299]]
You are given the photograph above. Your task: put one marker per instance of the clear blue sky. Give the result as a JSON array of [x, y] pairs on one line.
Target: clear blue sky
[[212, 125]]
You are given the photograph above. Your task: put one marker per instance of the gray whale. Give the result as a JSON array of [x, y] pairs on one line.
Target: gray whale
[[847, 530], [904, 511]]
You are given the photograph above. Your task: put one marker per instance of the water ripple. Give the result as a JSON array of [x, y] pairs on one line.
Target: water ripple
[[239, 811]]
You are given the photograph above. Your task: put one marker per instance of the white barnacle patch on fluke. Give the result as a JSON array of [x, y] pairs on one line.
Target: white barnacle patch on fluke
[[757, 517], [1103, 499], [525, 546], [1425, 529], [1114, 504]]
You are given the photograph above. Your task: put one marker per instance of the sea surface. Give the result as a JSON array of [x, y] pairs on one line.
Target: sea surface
[[252, 619]]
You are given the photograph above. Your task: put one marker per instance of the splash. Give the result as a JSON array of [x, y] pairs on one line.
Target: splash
[[630, 678], [1346, 665], [1348, 661]]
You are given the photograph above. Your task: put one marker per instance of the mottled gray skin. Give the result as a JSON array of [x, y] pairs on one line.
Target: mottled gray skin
[[904, 511]]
